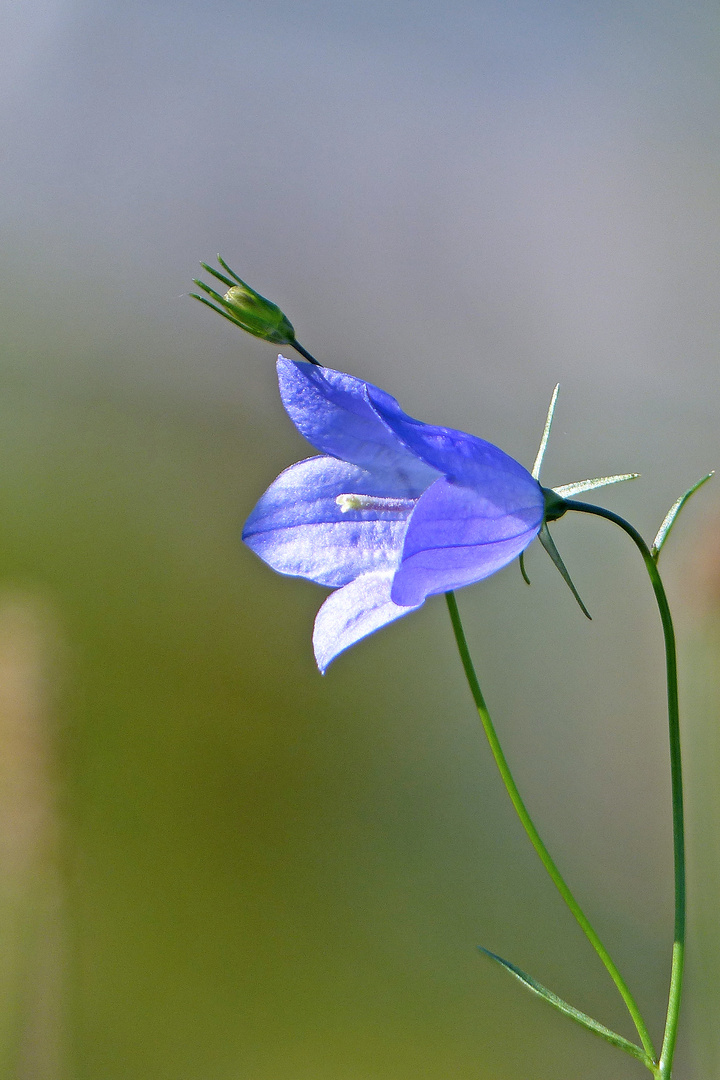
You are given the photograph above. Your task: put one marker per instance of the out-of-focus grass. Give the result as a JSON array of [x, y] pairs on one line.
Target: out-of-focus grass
[[701, 658], [31, 895]]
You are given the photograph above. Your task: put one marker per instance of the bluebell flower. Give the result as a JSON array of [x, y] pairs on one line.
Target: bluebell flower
[[393, 511]]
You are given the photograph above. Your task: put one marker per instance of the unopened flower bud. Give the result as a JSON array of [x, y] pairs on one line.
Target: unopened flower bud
[[257, 315], [246, 308]]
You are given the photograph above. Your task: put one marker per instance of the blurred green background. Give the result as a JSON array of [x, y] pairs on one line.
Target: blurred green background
[[215, 864]]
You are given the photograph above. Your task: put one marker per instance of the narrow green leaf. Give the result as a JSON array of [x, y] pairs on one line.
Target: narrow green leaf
[[569, 1010], [549, 544], [566, 491], [671, 516], [546, 433]]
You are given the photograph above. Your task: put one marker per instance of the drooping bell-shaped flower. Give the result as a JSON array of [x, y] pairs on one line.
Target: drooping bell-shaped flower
[[393, 511]]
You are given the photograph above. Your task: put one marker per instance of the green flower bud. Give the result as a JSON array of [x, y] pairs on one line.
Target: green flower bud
[[257, 315], [247, 308]]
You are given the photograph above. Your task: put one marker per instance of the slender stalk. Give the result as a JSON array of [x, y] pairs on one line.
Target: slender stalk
[[303, 352], [534, 835], [676, 975]]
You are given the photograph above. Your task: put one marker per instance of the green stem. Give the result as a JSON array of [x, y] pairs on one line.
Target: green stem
[[303, 352], [532, 832], [676, 975]]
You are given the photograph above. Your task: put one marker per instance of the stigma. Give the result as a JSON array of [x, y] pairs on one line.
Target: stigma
[[374, 502]]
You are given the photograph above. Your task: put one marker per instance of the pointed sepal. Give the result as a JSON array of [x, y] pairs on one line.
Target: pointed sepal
[[566, 491], [546, 433], [569, 1010], [672, 515], [523, 571], [549, 544]]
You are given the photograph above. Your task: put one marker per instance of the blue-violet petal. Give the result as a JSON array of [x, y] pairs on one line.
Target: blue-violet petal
[[352, 613], [462, 458], [333, 412], [298, 528], [458, 535]]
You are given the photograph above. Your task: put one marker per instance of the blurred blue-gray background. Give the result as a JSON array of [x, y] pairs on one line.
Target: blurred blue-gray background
[[217, 865]]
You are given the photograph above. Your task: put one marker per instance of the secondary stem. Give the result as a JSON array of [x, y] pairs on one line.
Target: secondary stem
[[532, 832], [676, 975], [303, 352]]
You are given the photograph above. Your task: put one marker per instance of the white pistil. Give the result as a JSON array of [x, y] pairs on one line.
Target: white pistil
[[374, 502]]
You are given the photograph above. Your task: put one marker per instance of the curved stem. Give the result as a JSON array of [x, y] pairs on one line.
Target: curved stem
[[532, 832], [676, 975]]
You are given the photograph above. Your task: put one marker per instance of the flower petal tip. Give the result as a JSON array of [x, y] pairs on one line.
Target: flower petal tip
[[352, 613]]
